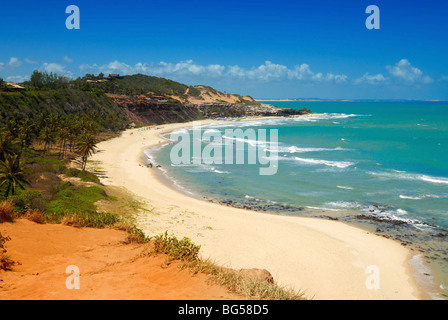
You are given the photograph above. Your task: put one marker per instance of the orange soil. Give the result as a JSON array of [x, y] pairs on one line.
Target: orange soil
[[109, 269]]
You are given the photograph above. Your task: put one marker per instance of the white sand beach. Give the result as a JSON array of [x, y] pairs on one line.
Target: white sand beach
[[326, 259]]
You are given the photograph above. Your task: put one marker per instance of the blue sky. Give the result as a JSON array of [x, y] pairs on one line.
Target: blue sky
[[268, 49]]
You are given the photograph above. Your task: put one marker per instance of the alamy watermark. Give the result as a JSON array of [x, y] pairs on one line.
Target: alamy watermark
[[72, 282], [73, 21], [373, 280], [235, 146]]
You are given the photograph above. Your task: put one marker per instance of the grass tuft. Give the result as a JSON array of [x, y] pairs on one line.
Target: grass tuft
[[7, 212]]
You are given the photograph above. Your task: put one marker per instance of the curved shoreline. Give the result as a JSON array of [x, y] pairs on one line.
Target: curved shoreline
[[327, 259]]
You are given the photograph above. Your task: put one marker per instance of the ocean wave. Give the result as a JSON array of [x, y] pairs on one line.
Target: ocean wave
[[425, 196], [345, 187], [410, 198], [199, 168], [324, 209], [295, 149], [251, 142], [403, 175], [338, 164], [381, 212]]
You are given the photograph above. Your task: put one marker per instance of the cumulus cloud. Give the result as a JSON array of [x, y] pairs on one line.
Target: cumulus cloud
[[403, 70], [266, 72], [55, 68], [14, 62], [371, 79], [67, 59], [29, 61]]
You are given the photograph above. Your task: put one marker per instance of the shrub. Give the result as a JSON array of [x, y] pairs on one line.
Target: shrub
[[35, 215], [5, 262], [7, 212], [183, 249], [90, 220], [72, 172], [73, 200], [84, 175], [26, 197]]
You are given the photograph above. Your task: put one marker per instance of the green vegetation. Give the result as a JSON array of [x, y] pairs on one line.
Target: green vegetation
[[73, 199], [183, 249], [85, 146], [222, 112], [84, 175], [11, 174], [63, 104], [47, 81], [134, 85]]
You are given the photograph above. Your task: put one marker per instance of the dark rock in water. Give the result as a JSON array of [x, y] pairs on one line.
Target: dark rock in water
[[383, 220], [258, 205]]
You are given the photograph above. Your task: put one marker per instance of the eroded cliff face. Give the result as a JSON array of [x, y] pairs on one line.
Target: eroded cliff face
[[147, 111]]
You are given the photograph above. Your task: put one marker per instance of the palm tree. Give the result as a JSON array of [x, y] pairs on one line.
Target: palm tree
[[6, 145], [11, 174], [64, 136], [85, 147], [47, 135], [25, 133]]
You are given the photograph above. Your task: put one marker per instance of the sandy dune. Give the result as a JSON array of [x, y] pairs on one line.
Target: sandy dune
[[108, 268]]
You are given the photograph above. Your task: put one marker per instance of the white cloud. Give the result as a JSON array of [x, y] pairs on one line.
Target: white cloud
[[14, 62], [29, 61], [371, 79], [405, 71], [444, 78], [265, 72], [17, 78], [55, 68], [67, 59]]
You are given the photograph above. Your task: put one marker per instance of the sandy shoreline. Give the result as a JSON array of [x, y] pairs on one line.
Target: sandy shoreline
[[326, 259]]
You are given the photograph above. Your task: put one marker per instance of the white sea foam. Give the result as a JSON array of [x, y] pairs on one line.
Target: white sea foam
[[338, 164], [251, 142], [325, 209], [403, 175], [222, 172], [382, 213], [345, 187], [410, 198]]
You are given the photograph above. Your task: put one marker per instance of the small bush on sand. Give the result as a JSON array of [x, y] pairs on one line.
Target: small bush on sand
[[90, 220], [5, 262], [26, 198], [7, 212], [34, 215], [135, 235], [183, 250]]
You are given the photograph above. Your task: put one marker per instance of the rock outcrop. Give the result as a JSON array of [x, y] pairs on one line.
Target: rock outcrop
[[147, 111]]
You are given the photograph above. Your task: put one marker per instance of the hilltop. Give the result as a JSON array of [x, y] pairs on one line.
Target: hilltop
[[138, 99], [153, 100]]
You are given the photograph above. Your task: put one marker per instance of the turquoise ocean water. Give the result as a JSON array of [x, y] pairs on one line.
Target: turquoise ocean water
[[379, 165]]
